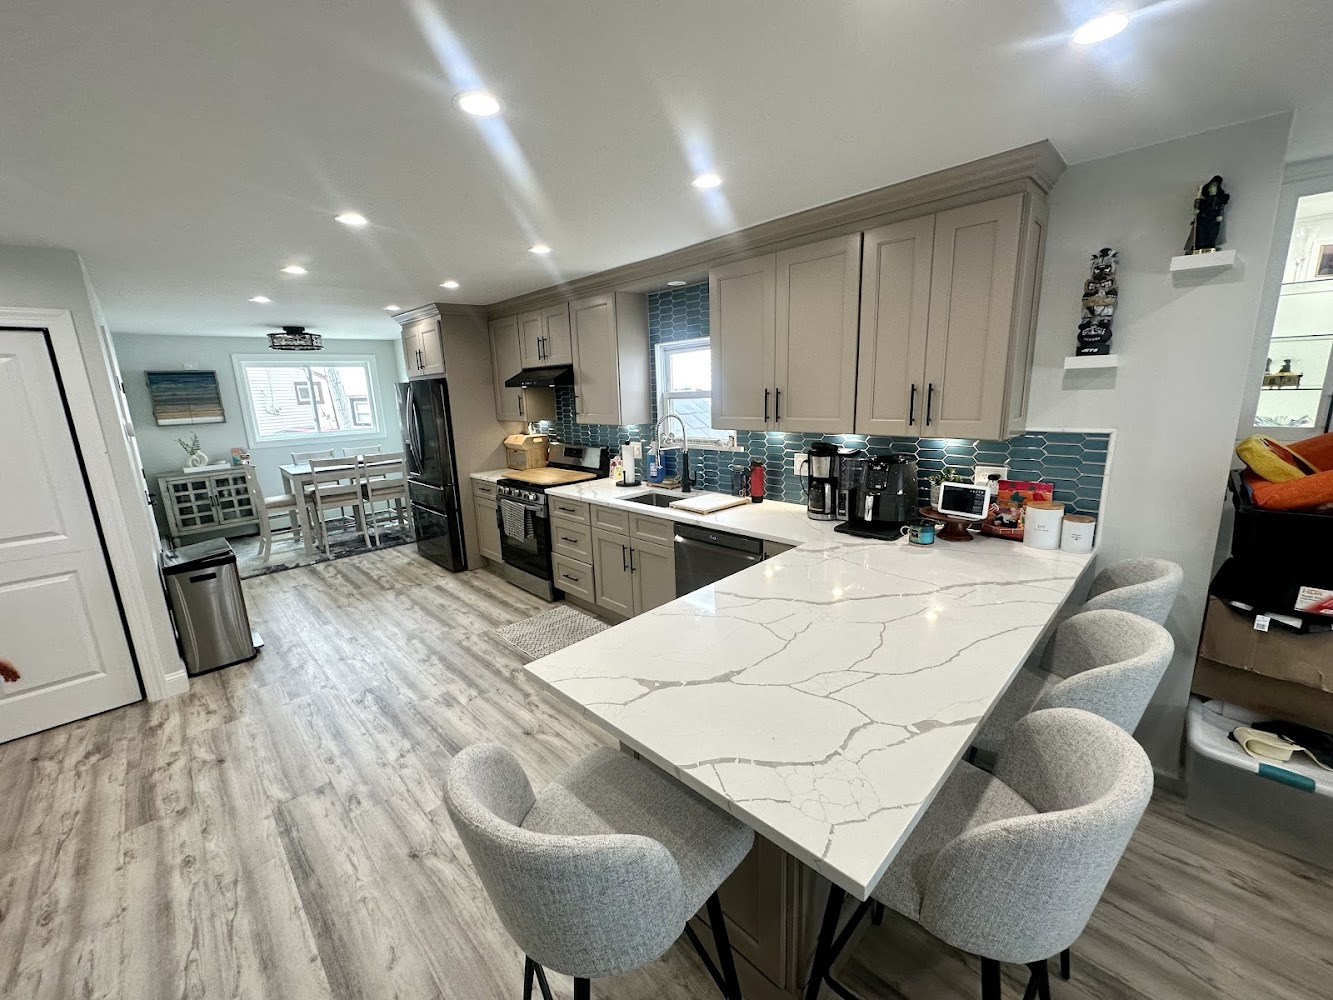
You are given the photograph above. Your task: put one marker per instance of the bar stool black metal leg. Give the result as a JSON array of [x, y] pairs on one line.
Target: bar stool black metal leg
[[1039, 982], [824, 944], [732, 989], [990, 979], [877, 913], [542, 984], [1065, 965], [527, 978], [582, 989]]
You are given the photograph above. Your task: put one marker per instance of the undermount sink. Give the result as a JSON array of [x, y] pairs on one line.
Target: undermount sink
[[656, 499]]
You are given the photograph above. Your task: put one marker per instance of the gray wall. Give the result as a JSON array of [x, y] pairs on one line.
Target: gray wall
[[1185, 349], [162, 455]]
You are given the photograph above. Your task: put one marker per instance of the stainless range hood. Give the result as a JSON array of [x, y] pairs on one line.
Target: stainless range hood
[[551, 375]]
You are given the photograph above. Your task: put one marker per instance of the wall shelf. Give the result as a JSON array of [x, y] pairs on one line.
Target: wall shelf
[[1092, 361], [1218, 260]]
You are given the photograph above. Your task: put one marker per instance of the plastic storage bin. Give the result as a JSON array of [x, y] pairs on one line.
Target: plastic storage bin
[[1287, 807]]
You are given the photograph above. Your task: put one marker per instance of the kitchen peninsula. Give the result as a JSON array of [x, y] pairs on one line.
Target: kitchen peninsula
[[822, 696]]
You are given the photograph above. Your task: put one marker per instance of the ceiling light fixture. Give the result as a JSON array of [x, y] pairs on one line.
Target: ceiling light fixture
[[451, 284], [354, 219], [295, 338], [392, 307], [478, 103], [294, 269], [705, 182], [1099, 29], [675, 284], [539, 248], [263, 300]]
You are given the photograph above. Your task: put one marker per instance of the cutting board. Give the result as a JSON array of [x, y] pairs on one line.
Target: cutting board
[[709, 503], [549, 476]]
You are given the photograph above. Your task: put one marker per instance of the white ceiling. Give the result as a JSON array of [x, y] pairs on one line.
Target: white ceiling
[[190, 149]]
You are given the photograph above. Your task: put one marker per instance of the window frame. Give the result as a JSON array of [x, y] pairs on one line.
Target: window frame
[[662, 353], [242, 362]]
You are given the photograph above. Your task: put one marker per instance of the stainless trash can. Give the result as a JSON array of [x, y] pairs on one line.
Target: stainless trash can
[[204, 591]]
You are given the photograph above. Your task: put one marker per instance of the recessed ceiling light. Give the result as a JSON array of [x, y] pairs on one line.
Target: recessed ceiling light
[[392, 307], [261, 299], [541, 248], [1099, 29], [450, 284], [355, 219], [675, 284], [294, 269], [708, 180], [478, 103]]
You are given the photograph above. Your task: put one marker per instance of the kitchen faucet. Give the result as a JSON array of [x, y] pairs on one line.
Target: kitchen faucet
[[686, 480]]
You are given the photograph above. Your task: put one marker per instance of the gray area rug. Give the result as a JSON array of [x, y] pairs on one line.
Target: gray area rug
[[289, 554], [550, 631]]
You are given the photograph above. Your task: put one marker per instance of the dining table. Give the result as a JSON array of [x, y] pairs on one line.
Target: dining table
[[297, 476], [823, 696]]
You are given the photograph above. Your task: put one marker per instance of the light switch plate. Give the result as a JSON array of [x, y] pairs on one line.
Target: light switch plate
[[800, 462], [982, 473], [636, 447]]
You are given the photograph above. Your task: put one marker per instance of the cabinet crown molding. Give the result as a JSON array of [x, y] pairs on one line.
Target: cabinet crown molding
[[441, 309], [1036, 166]]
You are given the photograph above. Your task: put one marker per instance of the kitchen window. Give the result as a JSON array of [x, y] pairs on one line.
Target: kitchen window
[[297, 401], [685, 389]]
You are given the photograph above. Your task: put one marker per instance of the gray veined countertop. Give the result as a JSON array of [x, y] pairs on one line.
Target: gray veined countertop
[[822, 696]]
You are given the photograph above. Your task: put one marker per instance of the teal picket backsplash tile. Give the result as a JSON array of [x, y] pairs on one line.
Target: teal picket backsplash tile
[[1074, 462]]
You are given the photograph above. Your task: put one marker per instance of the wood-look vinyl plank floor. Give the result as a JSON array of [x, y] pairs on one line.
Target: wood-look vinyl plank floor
[[279, 833]]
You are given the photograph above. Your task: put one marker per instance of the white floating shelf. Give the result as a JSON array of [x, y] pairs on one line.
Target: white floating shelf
[[1093, 361], [1218, 260]]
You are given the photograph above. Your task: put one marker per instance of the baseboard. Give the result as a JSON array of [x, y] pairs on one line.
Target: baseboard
[[1172, 784], [175, 683]]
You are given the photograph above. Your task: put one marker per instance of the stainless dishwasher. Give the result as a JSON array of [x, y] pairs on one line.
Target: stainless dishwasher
[[704, 556]]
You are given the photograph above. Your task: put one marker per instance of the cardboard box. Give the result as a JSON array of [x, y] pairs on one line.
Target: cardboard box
[[1277, 672]]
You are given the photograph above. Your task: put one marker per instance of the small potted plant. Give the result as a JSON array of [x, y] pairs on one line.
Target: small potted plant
[[938, 479], [197, 457]]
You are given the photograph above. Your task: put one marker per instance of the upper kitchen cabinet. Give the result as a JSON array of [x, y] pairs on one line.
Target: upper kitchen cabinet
[[610, 358], [545, 338], [423, 350], [506, 361], [783, 331], [947, 318]]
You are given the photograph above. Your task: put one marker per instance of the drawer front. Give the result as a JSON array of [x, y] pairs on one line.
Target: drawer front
[[573, 577], [611, 520], [574, 510], [571, 539], [652, 529], [482, 488]]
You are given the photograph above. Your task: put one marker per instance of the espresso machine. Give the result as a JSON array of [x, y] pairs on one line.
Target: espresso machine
[[821, 481], [886, 498]]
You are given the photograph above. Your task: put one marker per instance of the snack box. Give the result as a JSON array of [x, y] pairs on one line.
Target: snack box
[[1005, 519]]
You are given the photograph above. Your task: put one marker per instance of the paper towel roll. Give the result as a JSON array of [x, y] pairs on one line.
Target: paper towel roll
[[1041, 524], [1077, 533]]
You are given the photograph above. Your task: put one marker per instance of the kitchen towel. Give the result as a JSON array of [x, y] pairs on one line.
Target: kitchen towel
[[517, 520]]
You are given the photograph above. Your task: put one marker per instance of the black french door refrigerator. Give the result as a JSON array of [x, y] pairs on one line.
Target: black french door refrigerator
[[428, 444]]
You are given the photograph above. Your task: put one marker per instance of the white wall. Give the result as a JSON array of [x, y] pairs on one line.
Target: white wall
[[1185, 349], [44, 278], [162, 455]]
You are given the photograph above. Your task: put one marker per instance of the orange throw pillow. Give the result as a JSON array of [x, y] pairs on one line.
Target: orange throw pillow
[[1318, 451], [1309, 493]]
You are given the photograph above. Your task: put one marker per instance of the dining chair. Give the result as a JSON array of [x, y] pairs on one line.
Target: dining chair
[[336, 485], [1009, 866], [302, 457], [365, 449], [266, 508], [385, 481], [1145, 587], [598, 875], [1105, 662]]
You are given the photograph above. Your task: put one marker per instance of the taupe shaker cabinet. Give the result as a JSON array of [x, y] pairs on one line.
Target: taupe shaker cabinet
[[506, 362], [544, 337], [610, 341]]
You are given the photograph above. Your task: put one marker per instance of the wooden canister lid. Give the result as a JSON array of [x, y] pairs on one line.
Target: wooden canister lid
[[1081, 518], [1046, 504]]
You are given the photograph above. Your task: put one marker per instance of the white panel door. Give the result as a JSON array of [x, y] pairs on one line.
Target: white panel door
[[60, 626]]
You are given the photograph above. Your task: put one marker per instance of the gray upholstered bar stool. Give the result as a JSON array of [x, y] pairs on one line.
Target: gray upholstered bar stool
[[1105, 662], [1010, 866], [598, 874], [1144, 587]]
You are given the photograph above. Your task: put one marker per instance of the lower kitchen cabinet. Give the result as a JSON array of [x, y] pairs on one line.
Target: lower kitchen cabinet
[[488, 529], [613, 582], [652, 566], [573, 577]]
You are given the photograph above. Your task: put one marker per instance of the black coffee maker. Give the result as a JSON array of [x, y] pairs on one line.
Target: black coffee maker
[[885, 500]]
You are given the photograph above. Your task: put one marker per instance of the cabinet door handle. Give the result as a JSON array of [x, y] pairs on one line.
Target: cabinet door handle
[[777, 407], [930, 399], [571, 541], [766, 393], [911, 407], [624, 559], [520, 404], [571, 579], [631, 558], [541, 348]]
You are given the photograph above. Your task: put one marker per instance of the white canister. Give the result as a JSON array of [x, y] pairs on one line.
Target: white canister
[[1078, 532], [1041, 524]]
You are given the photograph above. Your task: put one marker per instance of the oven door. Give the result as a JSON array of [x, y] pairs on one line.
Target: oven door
[[532, 554]]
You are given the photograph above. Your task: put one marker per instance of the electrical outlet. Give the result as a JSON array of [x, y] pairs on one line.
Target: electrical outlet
[[982, 473], [800, 462]]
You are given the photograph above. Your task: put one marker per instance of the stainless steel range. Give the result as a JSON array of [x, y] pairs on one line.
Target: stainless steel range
[[524, 515]]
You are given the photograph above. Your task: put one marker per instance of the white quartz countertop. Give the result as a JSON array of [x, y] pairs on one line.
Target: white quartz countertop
[[492, 475], [824, 695]]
